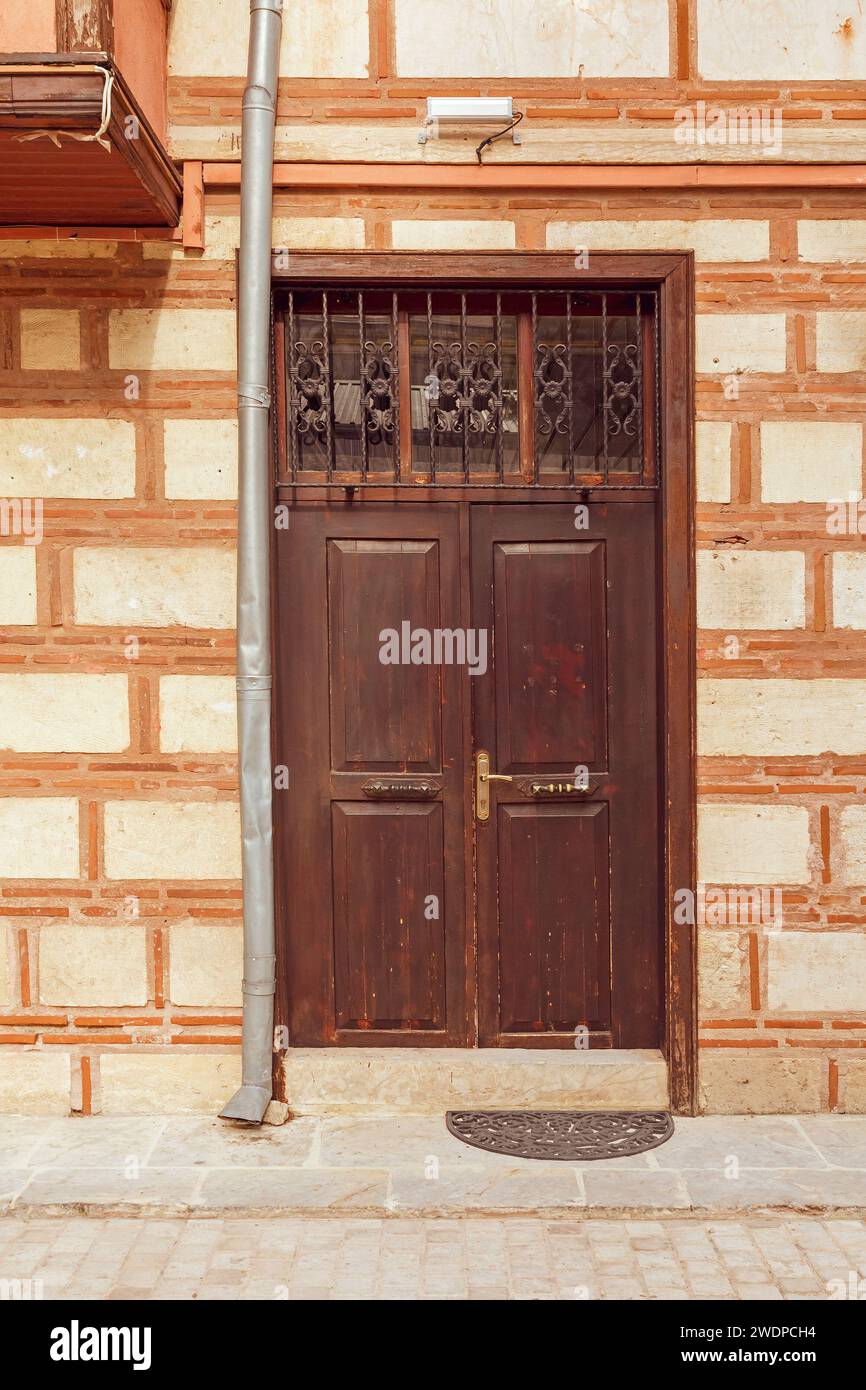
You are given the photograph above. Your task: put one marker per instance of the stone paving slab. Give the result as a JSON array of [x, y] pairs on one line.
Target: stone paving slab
[[771, 1258], [401, 1164]]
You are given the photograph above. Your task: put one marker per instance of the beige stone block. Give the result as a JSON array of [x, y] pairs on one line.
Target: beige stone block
[[853, 1088], [320, 38], [7, 970], [810, 460], [17, 585], [158, 586], [67, 458], [838, 241], [318, 233], [816, 972], [713, 239], [67, 249], [175, 340], [751, 589], [197, 714], [223, 234], [851, 869], [168, 1083], [735, 343], [781, 718], [206, 965], [201, 459], [50, 339], [418, 1081], [723, 973], [172, 840], [577, 142], [39, 837], [472, 38], [742, 1081], [849, 589], [840, 341], [34, 1081], [453, 234], [64, 713], [84, 964], [169, 251], [777, 41], [752, 844], [713, 460]]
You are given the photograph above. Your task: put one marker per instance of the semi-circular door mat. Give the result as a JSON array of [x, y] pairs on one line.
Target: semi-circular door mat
[[562, 1134]]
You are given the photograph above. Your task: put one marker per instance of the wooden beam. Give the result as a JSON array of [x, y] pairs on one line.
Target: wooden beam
[[27, 232], [84, 25], [193, 206], [548, 177]]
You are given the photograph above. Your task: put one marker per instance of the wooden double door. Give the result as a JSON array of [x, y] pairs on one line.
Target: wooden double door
[[419, 902]]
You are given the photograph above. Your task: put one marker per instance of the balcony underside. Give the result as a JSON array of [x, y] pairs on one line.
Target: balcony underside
[[51, 176]]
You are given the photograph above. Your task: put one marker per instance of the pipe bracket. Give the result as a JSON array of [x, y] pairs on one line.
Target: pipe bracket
[[253, 395], [250, 103], [258, 987]]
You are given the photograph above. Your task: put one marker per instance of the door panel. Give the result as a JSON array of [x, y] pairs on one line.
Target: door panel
[[382, 716], [371, 831], [549, 624], [554, 933], [567, 880], [389, 956]]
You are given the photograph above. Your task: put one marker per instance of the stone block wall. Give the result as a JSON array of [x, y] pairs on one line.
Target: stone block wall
[[120, 935]]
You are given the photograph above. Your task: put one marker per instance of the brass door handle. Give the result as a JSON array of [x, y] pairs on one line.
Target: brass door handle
[[528, 786], [483, 778]]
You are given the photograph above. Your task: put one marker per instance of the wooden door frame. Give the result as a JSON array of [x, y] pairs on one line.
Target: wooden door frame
[[671, 273]]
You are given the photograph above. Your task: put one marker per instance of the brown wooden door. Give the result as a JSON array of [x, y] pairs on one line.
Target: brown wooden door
[[387, 879], [567, 881], [371, 853]]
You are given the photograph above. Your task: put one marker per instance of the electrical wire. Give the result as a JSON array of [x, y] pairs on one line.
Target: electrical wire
[[518, 117]]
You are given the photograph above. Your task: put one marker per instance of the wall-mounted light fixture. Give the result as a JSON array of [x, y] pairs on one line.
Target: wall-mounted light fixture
[[463, 111]]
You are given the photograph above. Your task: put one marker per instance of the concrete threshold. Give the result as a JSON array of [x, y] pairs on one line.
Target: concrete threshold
[[429, 1081]]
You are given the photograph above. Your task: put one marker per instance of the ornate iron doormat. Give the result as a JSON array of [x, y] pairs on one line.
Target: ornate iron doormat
[[576, 1135]]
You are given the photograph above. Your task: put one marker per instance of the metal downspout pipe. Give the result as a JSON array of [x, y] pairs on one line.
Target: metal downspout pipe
[[255, 518]]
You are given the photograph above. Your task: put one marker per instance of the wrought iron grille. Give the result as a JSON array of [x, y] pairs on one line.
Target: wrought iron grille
[[467, 388]]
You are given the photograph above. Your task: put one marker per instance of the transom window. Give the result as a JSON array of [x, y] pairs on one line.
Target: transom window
[[466, 387]]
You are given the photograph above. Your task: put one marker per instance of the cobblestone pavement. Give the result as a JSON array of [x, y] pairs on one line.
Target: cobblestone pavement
[[410, 1165], [766, 1257]]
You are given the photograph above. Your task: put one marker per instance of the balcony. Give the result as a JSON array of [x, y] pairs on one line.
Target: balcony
[[83, 115]]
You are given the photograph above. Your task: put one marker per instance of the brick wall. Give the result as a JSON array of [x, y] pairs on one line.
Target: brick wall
[[120, 935], [120, 841]]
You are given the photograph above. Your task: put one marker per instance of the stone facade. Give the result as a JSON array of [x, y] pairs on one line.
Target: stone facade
[[119, 846]]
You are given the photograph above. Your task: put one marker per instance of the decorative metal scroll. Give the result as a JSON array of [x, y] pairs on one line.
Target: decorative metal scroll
[[467, 396], [483, 389], [552, 388], [573, 1135], [623, 374], [445, 388], [311, 398], [377, 390], [622, 385]]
